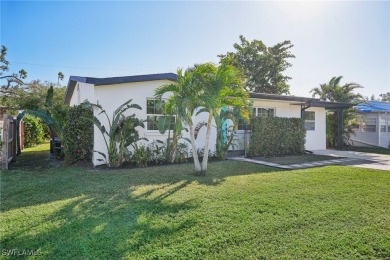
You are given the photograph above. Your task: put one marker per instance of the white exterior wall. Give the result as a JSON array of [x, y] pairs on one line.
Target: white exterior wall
[[82, 92], [112, 96], [316, 139], [377, 138]]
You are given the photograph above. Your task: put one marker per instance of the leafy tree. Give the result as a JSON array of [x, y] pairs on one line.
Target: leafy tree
[[221, 87], [385, 97], [334, 92], [185, 99], [262, 67], [207, 87], [121, 131], [13, 81]]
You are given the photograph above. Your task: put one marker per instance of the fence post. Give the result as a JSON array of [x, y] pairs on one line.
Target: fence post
[[4, 152]]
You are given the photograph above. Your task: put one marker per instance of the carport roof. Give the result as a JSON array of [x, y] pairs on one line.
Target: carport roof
[[313, 102]]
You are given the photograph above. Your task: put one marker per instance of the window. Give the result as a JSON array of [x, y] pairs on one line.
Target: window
[[264, 111], [369, 125], [310, 120], [154, 110], [241, 124], [383, 125]]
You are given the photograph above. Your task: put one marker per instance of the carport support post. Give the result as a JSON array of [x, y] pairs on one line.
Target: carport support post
[[340, 127]]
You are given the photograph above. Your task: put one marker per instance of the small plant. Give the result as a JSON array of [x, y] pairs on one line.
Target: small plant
[[142, 156], [120, 133]]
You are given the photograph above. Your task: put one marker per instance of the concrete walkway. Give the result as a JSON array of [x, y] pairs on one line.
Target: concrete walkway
[[365, 160], [298, 166]]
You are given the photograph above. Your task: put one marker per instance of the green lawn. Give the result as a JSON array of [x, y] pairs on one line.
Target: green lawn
[[240, 210], [295, 159]]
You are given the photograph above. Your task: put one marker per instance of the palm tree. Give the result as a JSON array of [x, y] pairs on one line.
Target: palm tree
[[334, 92], [222, 87], [184, 100], [60, 77]]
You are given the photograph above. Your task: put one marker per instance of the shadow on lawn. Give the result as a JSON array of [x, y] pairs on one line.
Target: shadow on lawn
[[104, 214]]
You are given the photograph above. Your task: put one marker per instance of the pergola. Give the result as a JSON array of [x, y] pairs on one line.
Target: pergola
[[306, 103]]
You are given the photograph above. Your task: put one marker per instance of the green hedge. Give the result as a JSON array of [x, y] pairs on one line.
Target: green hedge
[[78, 136], [34, 131], [275, 136]]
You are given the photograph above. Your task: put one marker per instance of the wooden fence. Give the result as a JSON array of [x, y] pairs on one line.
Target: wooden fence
[[9, 140]]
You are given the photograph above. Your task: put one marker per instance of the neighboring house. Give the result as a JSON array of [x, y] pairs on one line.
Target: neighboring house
[[112, 92], [373, 128]]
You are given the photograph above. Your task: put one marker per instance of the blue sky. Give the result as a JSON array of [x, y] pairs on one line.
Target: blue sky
[[103, 39]]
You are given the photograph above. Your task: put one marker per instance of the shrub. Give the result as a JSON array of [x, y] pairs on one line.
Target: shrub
[[142, 156], [78, 136], [276, 136], [34, 131]]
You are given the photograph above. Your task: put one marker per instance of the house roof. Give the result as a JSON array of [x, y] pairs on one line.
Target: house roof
[[114, 80], [313, 102], [373, 106]]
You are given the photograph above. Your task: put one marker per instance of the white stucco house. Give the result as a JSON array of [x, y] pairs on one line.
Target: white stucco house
[[373, 128], [112, 92]]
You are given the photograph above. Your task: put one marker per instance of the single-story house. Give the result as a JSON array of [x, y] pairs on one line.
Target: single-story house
[[373, 128], [112, 92]]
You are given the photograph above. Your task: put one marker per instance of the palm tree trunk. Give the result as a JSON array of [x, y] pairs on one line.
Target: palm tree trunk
[[207, 144], [198, 168], [174, 146]]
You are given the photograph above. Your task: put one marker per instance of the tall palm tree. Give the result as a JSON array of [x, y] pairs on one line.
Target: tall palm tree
[[334, 92], [222, 87], [184, 99], [60, 77]]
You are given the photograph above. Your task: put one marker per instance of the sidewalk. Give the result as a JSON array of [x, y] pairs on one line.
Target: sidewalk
[[339, 161], [365, 160]]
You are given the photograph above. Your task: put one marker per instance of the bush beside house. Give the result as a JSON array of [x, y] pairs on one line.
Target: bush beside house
[[274, 136], [78, 136]]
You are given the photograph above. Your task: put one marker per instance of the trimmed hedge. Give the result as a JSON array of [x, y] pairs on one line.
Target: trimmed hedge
[[78, 136], [273, 136]]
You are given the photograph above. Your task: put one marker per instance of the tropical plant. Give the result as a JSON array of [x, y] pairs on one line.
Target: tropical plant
[[227, 125], [120, 133], [222, 88], [184, 100], [335, 92]]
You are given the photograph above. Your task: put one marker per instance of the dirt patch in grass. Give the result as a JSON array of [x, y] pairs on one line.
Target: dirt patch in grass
[[295, 159]]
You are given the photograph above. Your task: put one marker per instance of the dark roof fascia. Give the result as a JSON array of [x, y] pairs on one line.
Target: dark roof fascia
[[314, 102], [114, 80]]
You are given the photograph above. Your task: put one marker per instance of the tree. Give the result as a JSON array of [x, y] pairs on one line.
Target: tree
[[209, 88], [262, 67], [334, 92], [222, 88], [14, 80], [121, 131], [185, 99], [385, 97], [60, 77]]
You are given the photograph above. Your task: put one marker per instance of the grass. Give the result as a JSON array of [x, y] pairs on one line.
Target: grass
[[295, 159], [239, 210], [378, 150]]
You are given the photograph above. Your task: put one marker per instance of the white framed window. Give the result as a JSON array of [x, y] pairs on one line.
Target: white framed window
[[241, 124], [369, 125], [310, 120], [264, 111], [154, 111], [383, 125]]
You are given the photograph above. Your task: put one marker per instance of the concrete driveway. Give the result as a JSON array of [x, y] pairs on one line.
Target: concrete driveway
[[365, 160]]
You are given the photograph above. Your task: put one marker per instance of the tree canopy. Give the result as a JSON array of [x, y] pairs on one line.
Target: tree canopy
[[262, 67]]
